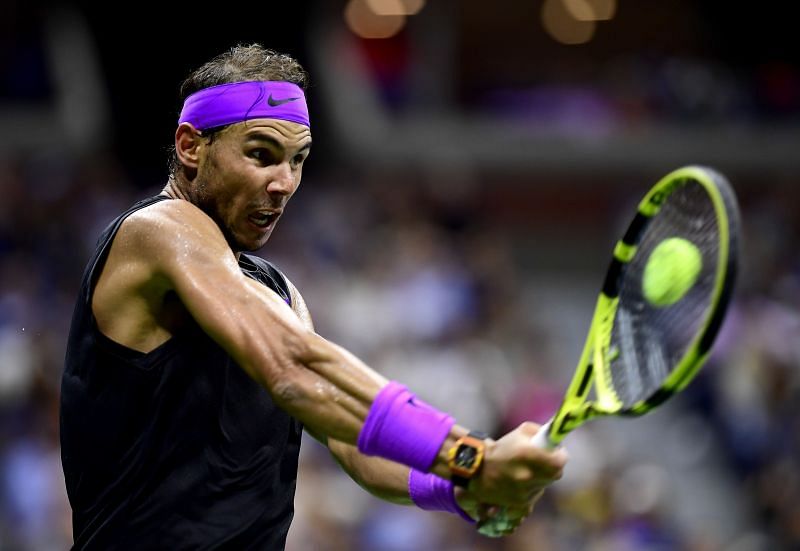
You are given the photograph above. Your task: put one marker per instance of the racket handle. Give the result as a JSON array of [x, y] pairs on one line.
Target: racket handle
[[496, 526], [542, 438]]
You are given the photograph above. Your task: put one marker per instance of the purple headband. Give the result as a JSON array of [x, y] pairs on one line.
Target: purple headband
[[242, 101]]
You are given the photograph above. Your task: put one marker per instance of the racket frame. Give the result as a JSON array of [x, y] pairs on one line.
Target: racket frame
[[594, 364]]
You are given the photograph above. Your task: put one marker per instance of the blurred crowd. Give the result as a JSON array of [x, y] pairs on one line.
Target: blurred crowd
[[432, 292], [440, 287]]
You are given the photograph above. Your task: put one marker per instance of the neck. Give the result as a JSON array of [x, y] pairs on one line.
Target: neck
[[175, 190]]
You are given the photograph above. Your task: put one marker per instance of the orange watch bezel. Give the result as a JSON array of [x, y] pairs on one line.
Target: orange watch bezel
[[466, 472]]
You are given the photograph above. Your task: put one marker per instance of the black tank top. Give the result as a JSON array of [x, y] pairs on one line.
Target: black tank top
[[176, 448]]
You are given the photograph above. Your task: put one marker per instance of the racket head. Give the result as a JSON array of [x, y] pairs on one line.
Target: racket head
[[639, 354], [652, 352], [694, 203]]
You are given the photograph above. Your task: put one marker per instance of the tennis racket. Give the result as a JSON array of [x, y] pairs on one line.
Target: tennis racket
[[644, 346]]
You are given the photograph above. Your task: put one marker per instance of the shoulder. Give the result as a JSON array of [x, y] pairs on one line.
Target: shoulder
[[172, 224], [174, 215], [171, 235]]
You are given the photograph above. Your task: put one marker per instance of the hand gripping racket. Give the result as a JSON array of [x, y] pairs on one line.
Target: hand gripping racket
[[662, 303]]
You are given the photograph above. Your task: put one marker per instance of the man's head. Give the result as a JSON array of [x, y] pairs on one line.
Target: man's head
[[242, 140]]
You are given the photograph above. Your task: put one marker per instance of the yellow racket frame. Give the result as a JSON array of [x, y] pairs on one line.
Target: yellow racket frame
[[594, 364]]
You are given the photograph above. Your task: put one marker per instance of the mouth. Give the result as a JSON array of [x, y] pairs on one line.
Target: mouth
[[264, 219]]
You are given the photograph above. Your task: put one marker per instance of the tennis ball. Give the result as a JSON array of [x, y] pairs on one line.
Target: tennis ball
[[671, 271]]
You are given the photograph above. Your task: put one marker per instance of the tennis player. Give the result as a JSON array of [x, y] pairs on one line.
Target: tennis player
[[192, 367]]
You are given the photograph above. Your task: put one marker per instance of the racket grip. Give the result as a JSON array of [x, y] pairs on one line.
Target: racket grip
[[542, 438]]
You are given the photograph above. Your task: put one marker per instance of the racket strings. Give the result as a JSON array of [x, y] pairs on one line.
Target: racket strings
[[648, 341]]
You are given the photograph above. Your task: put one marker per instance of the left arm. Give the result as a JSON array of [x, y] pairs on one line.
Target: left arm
[[380, 477]]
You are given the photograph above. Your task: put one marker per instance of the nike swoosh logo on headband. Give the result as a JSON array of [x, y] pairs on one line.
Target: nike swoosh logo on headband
[[276, 102]]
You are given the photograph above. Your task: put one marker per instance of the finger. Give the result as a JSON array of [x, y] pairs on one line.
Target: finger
[[556, 458], [529, 428], [546, 464], [560, 456]]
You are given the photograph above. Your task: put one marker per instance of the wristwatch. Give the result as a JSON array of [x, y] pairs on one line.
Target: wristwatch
[[466, 457]]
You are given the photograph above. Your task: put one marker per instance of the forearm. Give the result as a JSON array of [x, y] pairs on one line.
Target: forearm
[[372, 473], [380, 477], [338, 409], [321, 384], [390, 481], [399, 484], [307, 376]]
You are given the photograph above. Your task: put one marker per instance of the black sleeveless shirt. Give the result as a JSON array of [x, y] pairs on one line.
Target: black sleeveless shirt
[[177, 448]]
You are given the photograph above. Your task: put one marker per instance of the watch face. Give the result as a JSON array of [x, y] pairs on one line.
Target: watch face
[[465, 456]]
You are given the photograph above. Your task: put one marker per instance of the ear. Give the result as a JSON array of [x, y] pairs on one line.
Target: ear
[[188, 142]]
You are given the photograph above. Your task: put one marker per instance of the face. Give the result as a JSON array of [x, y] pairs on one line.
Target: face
[[247, 174]]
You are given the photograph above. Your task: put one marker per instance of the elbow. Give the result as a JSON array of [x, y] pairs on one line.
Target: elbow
[[288, 390], [278, 365], [297, 391], [289, 373], [294, 384]]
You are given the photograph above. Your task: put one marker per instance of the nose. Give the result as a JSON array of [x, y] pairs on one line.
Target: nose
[[282, 181]]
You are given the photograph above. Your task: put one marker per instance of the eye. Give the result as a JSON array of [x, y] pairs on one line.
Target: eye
[[264, 156], [298, 159]]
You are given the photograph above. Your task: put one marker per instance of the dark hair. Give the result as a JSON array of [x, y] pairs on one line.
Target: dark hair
[[239, 64]]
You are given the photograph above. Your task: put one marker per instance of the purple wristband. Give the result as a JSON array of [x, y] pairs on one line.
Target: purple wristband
[[403, 429], [432, 493]]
